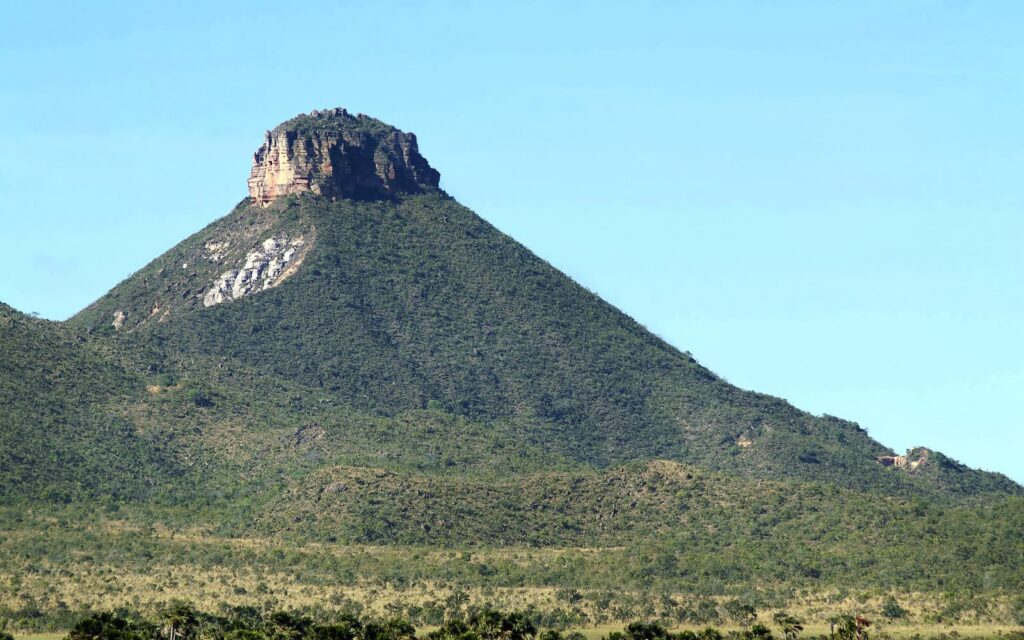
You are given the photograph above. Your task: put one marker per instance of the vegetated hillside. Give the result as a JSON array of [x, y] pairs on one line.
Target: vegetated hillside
[[414, 301], [351, 357], [58, 441], [694, 526]]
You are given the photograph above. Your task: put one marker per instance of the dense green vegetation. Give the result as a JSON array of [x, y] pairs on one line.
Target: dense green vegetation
[[418, 302], [180, 619], [55, 445]]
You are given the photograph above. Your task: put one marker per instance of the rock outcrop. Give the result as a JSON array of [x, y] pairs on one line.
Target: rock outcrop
[[266, 267], [914, 459], [335, 154]]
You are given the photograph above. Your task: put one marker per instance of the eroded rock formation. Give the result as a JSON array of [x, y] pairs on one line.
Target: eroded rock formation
[[335, 154], [266, 267]]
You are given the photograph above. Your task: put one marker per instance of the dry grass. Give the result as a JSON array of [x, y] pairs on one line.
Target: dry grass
[[83, 582]]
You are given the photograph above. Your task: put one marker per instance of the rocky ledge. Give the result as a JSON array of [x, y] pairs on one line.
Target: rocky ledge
[[338, 155]]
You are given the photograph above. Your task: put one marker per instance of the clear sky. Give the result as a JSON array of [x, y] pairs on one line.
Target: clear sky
[[820, 200]]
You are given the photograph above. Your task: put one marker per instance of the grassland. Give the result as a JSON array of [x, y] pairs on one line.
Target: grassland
[[51, 571]]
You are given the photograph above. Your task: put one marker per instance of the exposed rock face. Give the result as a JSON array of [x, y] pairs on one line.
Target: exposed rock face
[[914, 459], [335, 154], [266, 267]]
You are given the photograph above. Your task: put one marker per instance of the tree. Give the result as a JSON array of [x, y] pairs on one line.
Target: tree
[[106, 626], [892, 609], [180, 620], [288, 626], [454, 602], [741, 612], [646, 631], [790, 625], [758, 632], [518, 626], [487, 623], [393, 629], [847, 627]]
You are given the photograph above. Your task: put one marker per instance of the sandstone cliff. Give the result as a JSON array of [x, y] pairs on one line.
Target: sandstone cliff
[[335, 154]]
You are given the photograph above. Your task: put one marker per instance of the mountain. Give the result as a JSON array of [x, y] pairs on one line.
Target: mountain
[[347, 270], [350, 357]]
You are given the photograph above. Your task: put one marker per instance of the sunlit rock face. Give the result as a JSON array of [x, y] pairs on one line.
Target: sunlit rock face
[[335, 154], [263, 268]]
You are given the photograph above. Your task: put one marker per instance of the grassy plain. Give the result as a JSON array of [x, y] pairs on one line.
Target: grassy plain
[[55, 563]]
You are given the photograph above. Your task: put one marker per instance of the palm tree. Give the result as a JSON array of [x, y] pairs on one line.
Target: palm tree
[[453, 604], [179, 619], [489, 624], [846, 627], [520, 626]]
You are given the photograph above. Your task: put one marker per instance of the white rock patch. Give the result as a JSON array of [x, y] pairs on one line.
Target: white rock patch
[[263, 269], [216, 251]]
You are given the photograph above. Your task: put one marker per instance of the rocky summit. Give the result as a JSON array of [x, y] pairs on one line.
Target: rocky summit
[[335, 154]]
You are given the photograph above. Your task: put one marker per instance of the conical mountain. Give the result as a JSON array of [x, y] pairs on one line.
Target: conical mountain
[[349, 274]]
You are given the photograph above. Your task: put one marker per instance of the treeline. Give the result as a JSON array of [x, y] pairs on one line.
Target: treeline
[[182, 621]]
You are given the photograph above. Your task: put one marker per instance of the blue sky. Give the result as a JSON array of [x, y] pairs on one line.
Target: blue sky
[[822, 201]]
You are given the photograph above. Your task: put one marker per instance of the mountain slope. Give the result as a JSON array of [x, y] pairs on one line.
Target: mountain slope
[[59, 441], [396, 298]]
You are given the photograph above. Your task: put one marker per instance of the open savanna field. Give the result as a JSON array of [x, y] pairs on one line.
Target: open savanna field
[[53, 570]]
